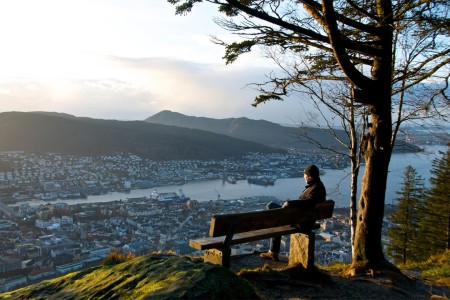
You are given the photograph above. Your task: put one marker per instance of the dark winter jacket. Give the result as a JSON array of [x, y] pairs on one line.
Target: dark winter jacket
[[314, 193]]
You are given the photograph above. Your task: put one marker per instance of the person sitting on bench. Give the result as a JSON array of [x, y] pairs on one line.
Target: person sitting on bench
[[313, 194]]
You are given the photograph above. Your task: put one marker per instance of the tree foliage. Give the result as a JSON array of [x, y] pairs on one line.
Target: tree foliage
[[342, 40], [434, 234], [403, 233]]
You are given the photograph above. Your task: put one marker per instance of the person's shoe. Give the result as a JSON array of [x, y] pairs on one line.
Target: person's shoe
[[270, 255]]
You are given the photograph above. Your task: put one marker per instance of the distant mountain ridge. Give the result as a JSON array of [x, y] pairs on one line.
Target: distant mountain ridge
[[267, 133], [63, 133], [258, 131]]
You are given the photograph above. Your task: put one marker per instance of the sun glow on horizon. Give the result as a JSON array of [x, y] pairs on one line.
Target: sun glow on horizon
[[122, 60]]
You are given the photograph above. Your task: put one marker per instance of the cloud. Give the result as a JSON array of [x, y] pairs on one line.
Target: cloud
[[212, 90], [136, 88], [124, 60]]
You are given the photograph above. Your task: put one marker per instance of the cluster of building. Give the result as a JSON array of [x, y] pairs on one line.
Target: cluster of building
[[28, 176], [44, 241], [49, 240]]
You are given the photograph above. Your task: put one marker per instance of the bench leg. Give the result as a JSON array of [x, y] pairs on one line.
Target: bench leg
[[302, 249], [219, 257]]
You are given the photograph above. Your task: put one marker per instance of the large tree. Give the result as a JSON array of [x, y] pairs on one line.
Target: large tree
[[353, 41]]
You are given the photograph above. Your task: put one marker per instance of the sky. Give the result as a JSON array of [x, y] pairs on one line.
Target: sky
[[126, 60]]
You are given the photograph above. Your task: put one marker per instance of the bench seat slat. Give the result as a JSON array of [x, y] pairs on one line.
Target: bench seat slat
[[249, 221], [244, 237]]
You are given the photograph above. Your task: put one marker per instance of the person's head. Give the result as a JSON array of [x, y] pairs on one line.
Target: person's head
[[311, 172]]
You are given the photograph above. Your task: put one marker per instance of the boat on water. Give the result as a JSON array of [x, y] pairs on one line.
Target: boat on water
[[231, 179], [169, 197], [261, 180]]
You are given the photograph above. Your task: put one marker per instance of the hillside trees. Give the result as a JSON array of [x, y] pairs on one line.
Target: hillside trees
[[402, 235], [434, 229], [352, 41]]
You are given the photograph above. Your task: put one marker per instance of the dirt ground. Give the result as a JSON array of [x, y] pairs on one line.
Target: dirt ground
[[278, 281]]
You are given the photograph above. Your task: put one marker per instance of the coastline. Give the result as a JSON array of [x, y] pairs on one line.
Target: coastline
[[336, 181]]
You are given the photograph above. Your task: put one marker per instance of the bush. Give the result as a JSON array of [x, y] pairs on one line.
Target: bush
[[116, 257]]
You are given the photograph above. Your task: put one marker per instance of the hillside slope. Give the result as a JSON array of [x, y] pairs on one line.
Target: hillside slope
[[61, 133], [147, 277], [265, 132], [163, 276], [258, 131]]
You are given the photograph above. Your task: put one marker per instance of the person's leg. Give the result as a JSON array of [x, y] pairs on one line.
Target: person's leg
[[275, 243]]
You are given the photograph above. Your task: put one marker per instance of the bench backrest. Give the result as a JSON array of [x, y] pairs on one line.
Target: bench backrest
[[243, 222]]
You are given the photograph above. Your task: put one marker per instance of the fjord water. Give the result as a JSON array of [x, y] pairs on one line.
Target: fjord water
[[336, 181]]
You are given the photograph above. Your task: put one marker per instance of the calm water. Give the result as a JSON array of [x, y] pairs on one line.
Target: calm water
[[336, 181]]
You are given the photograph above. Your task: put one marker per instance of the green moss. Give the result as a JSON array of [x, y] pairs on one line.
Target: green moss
[[155, 276], [436, 268]]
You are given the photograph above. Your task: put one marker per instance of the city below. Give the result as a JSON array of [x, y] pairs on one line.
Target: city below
[[50, 177], [52, 238]]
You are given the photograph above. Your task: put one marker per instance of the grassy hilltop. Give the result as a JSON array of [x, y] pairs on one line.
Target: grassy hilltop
[[167, 276], [152, 276]]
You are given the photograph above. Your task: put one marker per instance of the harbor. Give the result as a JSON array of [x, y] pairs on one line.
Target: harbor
[[337, 182]]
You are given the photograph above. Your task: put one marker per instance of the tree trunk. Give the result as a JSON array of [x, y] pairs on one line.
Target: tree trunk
[[355, 159], [353, 202], [368, 250]]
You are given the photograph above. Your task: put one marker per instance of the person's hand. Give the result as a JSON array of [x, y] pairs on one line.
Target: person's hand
[[285, 204]]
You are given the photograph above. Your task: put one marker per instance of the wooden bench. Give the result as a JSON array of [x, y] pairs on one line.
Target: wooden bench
[[231, 229]]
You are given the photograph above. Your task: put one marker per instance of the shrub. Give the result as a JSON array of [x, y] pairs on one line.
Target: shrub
[[116, 257]]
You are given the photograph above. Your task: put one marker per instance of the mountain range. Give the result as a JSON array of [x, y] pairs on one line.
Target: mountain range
[[67, 134], [268, 133], [164, 136], [258, 131]]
